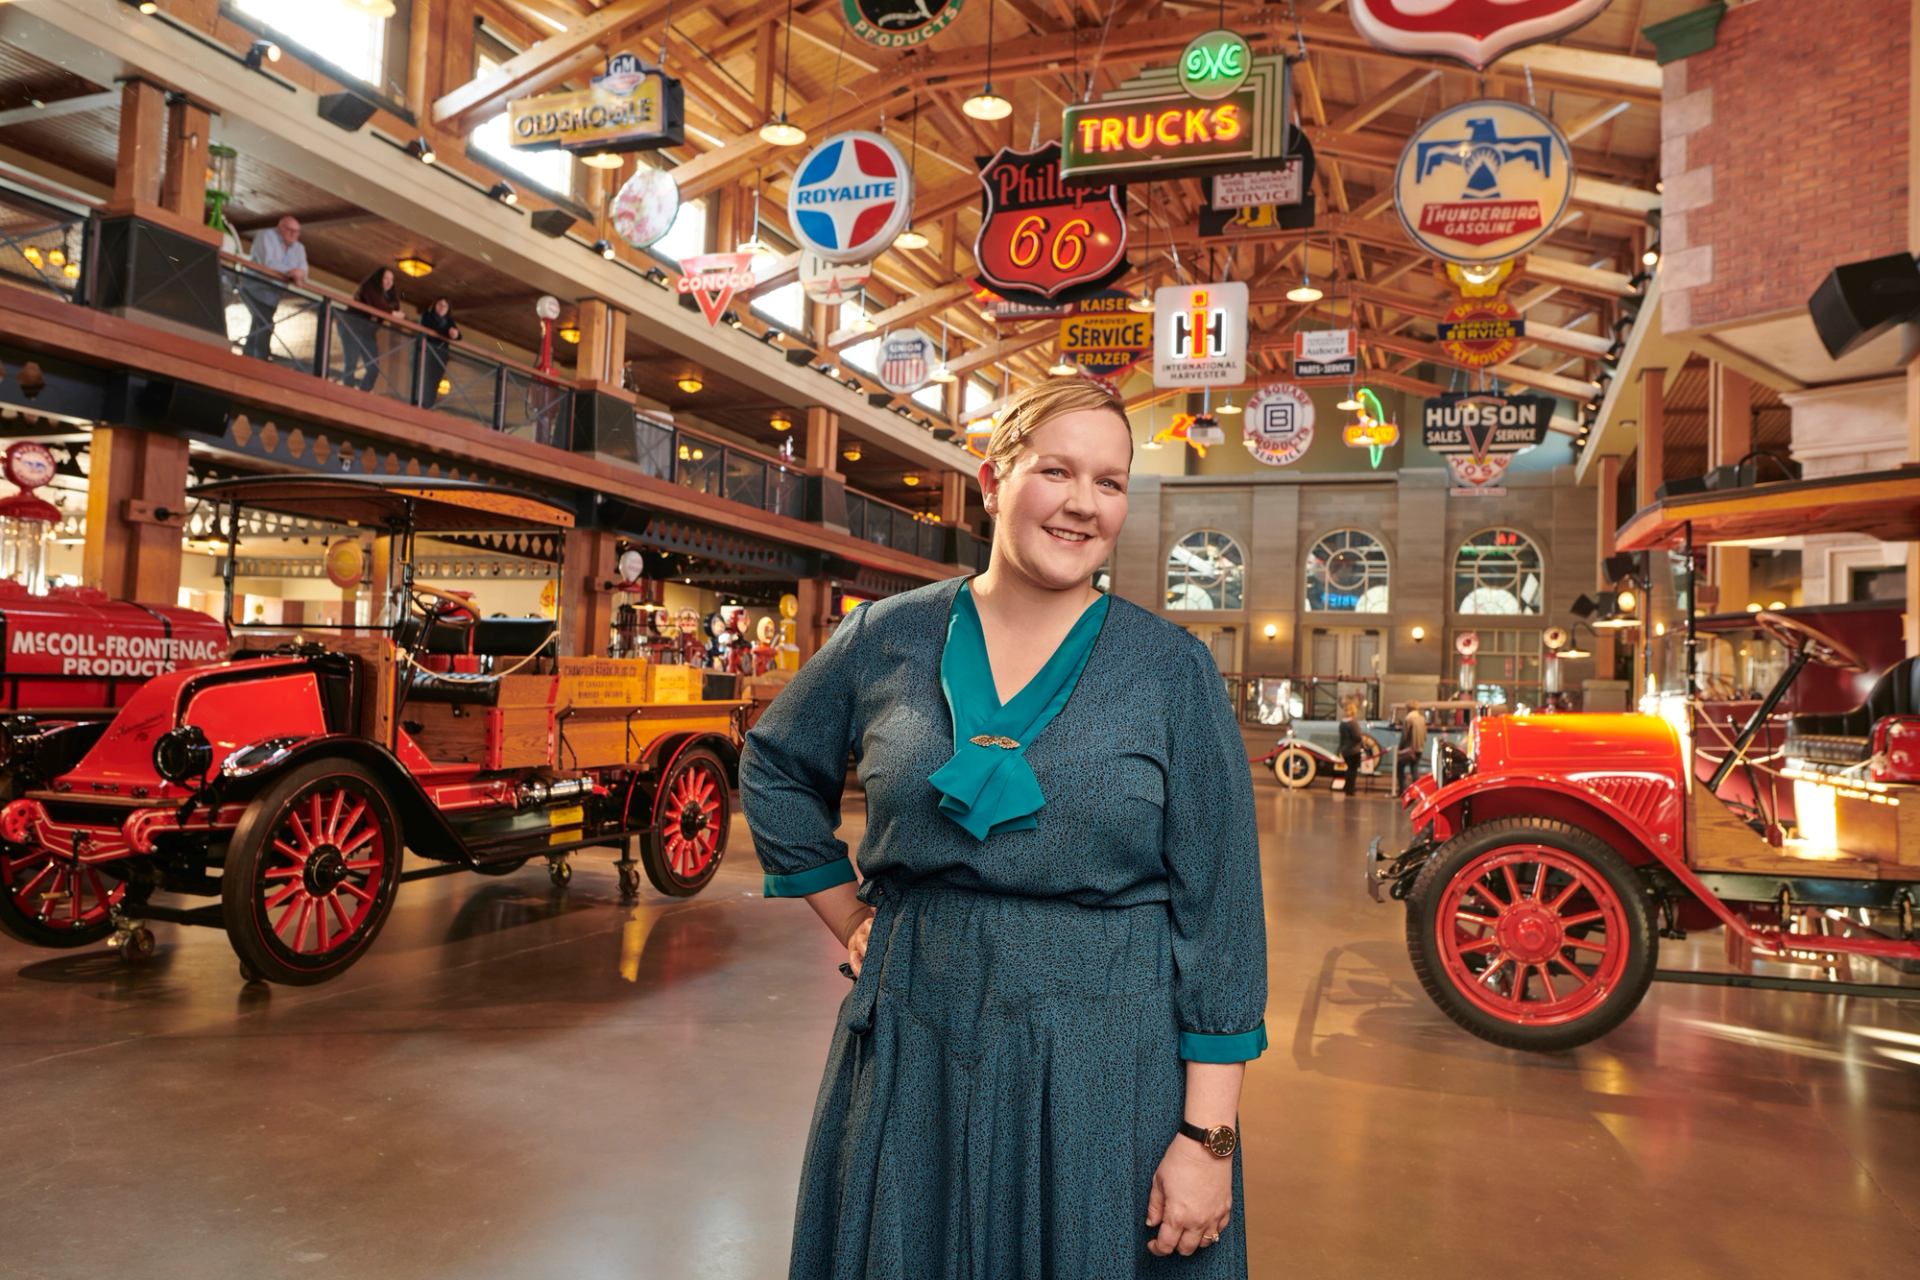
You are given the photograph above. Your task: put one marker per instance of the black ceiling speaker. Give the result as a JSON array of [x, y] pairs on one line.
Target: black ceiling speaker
[[553, 222], [879, 399], [1621, 564], [348, 110], [799, 355], [1583, 607], [1859, 301]]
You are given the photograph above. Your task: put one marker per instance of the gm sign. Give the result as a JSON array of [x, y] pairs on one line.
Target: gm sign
[[1200, 335]]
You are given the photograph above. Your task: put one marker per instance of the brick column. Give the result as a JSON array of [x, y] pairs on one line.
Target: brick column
[[136, 504]]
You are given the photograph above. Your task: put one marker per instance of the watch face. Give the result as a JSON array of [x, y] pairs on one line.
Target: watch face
[[1221, 1140]]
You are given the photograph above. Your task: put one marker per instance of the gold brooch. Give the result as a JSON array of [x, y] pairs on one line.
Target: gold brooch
[[993, 740]]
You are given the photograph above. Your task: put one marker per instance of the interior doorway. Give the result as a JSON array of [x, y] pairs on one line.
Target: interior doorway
[[1222, 642], [1356, 653]]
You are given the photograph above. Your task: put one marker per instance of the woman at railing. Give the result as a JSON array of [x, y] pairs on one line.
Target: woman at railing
[[438, 318], [361, 349]]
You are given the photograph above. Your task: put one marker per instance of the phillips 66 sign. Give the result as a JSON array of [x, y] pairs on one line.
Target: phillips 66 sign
[[1471, 31]]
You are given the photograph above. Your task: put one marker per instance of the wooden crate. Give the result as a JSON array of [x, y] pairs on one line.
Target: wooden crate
[[673, 684]]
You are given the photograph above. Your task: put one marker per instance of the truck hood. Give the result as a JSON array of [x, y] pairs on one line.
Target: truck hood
[[1577, 744]]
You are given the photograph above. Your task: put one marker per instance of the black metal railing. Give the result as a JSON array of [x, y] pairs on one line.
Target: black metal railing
[[877, 521], [44, 251], [711, 466], [319, 333]]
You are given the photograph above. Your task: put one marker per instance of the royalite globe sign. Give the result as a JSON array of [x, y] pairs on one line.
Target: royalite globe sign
[[1483, 181], [899, 24], [1279, 424], [1471, 31], [851, 196]]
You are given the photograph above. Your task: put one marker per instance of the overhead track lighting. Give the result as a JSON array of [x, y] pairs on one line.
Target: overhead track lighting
[[422, 150], [503, 192], [603, 160], [144, 6], [604, 248], [262, 51]]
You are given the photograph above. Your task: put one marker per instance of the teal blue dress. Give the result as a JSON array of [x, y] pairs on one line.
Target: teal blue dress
[[1007, 1072]]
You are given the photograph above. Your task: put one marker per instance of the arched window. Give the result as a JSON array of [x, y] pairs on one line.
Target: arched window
[[1347, 573], [1206, 570], [1498, 571]]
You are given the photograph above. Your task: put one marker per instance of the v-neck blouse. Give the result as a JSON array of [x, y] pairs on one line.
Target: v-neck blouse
[[988, 786], [1148, 797]]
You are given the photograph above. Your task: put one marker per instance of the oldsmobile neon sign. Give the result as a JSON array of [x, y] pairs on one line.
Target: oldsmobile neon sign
[[633, 107], [1153, 125]]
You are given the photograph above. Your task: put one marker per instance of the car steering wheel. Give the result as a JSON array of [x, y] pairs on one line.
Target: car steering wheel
[[1796, 636]]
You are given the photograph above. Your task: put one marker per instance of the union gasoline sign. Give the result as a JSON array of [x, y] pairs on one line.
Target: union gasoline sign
[[1041, 242]]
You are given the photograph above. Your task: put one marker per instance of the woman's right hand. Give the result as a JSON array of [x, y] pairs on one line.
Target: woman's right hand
[[857, 943]]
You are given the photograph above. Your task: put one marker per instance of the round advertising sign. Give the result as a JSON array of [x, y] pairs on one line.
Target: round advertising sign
[[346, 563], [850, 197], [1214, 64], [645, 206], [1481, 331], [1483, 181], [29, 464], [831, 282], [899, 24], [1278, 424]]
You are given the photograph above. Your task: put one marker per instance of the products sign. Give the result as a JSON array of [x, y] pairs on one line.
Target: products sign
[[1279, 424], [1481, 424], [1481, 331], [645, 206], [1214, 64], [906, 357], [1483, 181], [899, 24], [632, 107], [1151, 125], [1325, 353], [1102, 336], [346, 563], [712, 279], [851, 196], [1200, 335], [1471, 31], [1040, 242], [831, 282]]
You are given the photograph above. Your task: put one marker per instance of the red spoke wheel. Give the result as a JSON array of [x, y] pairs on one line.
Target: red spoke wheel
[[691, 811], [47, 901], [1531, 933], [310, 873]]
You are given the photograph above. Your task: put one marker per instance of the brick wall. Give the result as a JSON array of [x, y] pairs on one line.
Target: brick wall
[[1783, 154]]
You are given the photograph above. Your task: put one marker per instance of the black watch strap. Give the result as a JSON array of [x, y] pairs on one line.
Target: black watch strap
[[1219, 1141]]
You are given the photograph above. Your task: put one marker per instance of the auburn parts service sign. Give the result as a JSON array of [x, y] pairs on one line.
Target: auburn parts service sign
[[1471, 31]]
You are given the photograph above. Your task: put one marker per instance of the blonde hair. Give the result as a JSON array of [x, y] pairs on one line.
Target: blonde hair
[[1039, 404]]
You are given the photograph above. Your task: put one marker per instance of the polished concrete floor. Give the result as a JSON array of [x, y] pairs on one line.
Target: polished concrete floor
[[522, 1083]]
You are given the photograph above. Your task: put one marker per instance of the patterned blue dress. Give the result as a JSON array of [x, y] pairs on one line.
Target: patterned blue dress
[[1007, 1071]]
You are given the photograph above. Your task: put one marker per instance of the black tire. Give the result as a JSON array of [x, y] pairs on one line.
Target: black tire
[[500, 868], [687, 847], [1553, 897], [347, 875], [1296, 768]]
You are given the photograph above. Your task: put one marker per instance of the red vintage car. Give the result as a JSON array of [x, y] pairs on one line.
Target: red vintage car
[[1551, 857], [287, 782]]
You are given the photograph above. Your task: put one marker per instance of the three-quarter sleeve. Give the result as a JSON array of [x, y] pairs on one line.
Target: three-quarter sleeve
[[1212, 852], [794, 768]]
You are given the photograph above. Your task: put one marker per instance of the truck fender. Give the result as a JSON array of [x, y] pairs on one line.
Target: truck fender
[[423, 827]]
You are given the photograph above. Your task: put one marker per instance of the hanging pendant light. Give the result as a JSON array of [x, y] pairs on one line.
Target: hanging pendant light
[[1143, 305], [1305, 290], [753, 244], [986, 104], [1063, 368], [780, 131], [1228, 408], [941, 373], [912, 237]]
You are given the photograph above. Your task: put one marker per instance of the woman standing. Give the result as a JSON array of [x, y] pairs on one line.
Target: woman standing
[[377, 293], [1352, 747], [438, 318], [1059, 946]]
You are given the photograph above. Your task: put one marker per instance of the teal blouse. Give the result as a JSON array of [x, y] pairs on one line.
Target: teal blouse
[[988, 786]]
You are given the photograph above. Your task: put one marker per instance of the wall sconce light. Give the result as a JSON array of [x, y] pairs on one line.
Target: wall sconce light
[[1271, 631], [781, 422], [415, 267], [569, 332], [422, 150], [604, 248], [1418, 632], [504, 193]]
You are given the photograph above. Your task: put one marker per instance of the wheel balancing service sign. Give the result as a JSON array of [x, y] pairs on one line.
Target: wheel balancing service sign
[[1471, 31], [1483, 181], [1041, 242], [851, 196], [899, 24], [1279, 424]]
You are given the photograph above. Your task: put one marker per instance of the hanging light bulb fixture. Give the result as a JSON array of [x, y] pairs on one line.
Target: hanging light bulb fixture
[[780, 131], [1228, 408], [1062, 367], [986, 104], [753, 244], [1143, 304], [912, 237], [941, 374], [1305, 290]]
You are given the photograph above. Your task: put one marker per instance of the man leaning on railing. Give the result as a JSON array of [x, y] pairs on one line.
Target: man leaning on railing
[[278, 250]]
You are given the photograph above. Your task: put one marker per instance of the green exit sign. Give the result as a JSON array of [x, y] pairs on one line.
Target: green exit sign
[[1214, 64]]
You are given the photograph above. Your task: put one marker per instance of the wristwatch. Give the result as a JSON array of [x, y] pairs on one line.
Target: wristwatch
[[1220, 1141]]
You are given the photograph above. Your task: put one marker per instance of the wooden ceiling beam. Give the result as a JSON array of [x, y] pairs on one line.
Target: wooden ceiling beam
[[519, 74], [914, 307], [1365, 113], [1001, 350]]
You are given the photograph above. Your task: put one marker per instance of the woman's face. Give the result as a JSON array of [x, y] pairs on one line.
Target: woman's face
[[441, 307], [1063, 499], [386, 281]]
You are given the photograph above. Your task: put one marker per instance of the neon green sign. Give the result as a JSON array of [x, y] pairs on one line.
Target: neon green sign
[[1214, 64]]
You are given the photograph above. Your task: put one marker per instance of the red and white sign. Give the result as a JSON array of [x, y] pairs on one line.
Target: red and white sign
[[831, 283], [29, 464], [1279, 424], [1478, 477], [712, 279], [1471, 31], [1321, 345], [1483, 181], [1042, 242], [906, 357], [1479, 332]]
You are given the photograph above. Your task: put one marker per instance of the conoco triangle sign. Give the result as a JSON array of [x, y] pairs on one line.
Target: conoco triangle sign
[[1471, 31], [712, 279]]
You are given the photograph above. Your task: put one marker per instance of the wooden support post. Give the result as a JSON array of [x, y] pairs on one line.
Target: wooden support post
[[823, 441], [1651, 468], [1729, 439], [603, 343], [143, 124], [586, 606], [1608, 520], [953, 499], [419, 42], [810, 627], [136, 505], [184, 188]]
